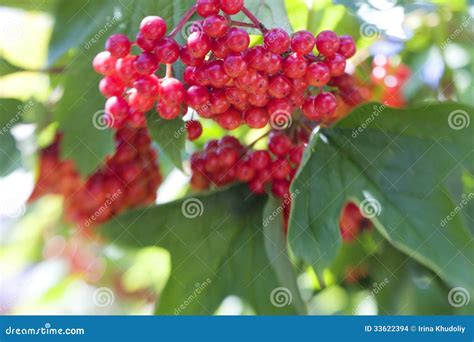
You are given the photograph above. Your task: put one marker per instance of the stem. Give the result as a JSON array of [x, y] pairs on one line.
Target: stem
[[183, 21], [242, 24], [169, 70], [257, 140], [254, 20]]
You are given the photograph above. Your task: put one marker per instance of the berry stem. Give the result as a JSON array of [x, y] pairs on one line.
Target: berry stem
[[183, 21], [169, 70], [242, 24], [258, 24]]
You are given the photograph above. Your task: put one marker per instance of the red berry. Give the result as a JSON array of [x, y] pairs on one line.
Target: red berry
[[256, 117], [249, 77], [140, 102], [219, 102], [302, 42], [279, 144], [277, 41], [189, 75], [211, 145], [347, 46], [146, 63], [237, 39], [211, 161], [294, 66], [125, 69], [274, 63], [278, 106], [326, 103], [297, 154], [118, 45], [236, 96], [230, 119], [136, 119], [198, 44], [116, 107], [260, 159], [245, 172], [281, 169], [168, 111], [167, 51], [259, 100], [219, 47], [281, 188], [231, 6], [206, 8], [148, 85], [336, 64], [111, 86], [153, 27], [144, 43], [261, 84], [256, 57], [172, 91], [229, 140], [257, 186], [194, 129], [235, 65], [216, 73], [279, 87], [197, 96], [228, 156], [216, 26], [187, 59], [310, 110], [104, 63], [317, 74], [327, 43]]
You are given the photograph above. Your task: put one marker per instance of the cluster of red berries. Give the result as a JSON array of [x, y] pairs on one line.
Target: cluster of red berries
[[128, 179], [227, 160], [224, 79]]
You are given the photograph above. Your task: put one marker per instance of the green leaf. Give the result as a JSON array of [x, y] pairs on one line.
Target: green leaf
[[217, 249], [395, 164], [7, 68], [75, 21], [404, 287], [28, 5], [170, 136], [11, 113], [10, 156], [276, 247]]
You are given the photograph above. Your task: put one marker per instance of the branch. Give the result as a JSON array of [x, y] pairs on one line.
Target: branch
[[183, 21], [258, 24]]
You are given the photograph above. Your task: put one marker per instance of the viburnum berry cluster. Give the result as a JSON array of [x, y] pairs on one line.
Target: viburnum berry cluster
[[128, 179], [227, 160], [225, 79]]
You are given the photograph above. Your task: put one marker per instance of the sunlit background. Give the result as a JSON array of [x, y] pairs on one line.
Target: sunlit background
[[48, 267]]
